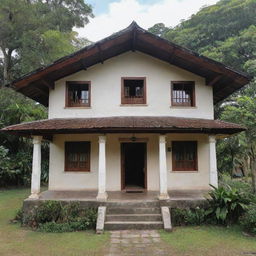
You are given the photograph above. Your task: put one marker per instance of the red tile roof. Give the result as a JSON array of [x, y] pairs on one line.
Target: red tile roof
[[151, 124]]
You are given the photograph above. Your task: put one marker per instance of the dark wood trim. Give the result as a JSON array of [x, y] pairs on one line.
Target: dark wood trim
[[213, 81], [100, 53], [192, 83], [145, 162], [144, 90], [134, 35], [66, 169], [49, 84], [83, 62], [67, 105], [174, 169]]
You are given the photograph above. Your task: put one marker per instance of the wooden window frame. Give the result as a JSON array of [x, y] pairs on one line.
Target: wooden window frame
[[68, 105], [193, 98], [174, 167], [66, 169], [123, 100]]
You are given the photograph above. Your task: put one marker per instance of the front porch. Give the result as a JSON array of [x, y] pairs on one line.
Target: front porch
[[105, 156], [176, 198]]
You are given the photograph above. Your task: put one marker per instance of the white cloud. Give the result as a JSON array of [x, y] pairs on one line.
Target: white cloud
[[121, 13]]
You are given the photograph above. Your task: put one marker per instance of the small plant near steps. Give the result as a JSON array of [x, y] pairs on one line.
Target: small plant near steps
[[138, 216]]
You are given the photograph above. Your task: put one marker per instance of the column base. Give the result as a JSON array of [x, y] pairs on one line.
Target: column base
[[163, 196], [102, 196], [34, 196]]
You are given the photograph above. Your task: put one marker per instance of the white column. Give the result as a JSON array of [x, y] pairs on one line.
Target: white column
[[163, 168], [213, 161], [102, 195], [36, 168]]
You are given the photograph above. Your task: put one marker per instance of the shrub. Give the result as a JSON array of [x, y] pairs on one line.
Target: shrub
[[248, 219], [196, 216], [48, 211], [226, 205], [54, 216], [192, 216]]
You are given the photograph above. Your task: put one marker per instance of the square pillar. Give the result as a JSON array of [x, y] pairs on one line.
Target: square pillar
[[213, 161], [36, 168], [162, 168], [102, 195]]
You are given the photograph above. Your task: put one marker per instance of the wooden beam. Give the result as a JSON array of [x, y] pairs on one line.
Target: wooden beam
[[48, 83], [42, 92], [134, 37], [100, 54], [172, 56], [211, 82], [83, 62]]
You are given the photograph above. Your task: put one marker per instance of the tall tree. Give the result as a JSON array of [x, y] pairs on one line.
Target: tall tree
[[28, 28]]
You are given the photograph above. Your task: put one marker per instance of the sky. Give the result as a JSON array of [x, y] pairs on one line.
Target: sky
[[114, 15]]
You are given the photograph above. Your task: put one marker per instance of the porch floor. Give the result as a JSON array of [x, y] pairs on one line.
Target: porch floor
[[120, 196]]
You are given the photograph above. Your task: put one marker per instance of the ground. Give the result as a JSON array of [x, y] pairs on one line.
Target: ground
[[183, 241], [17, 241]]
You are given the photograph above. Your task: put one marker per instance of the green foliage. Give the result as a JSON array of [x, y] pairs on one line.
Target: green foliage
[[213, 24], [16, 152], [226, 205], [38, 32], [55, 216], [248, 219], [191, 216]]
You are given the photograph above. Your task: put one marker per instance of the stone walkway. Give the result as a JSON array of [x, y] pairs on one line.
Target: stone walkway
[[137, 243]]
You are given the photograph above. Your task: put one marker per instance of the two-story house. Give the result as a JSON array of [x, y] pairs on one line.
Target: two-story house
[[132, 112]]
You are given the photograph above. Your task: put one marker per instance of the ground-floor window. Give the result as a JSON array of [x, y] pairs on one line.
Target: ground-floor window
[[184, 156], [77, 156]]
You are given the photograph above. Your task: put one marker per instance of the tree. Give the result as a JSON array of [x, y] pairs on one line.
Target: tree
[[244, 112], [158, 29], [28, 29]]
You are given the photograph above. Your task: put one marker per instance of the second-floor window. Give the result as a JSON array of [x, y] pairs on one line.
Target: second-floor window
[[183, 94], [133, 90], [78, 94]]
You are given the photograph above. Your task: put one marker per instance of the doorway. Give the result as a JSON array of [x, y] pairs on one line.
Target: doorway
[[133, 160]]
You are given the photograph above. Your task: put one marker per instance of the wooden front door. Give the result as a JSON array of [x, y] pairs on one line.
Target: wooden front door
[[133, 161]]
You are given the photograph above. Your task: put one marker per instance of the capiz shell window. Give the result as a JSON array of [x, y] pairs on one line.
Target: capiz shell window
[[78, 94], [77, 156], [183, 93], [184, 155]]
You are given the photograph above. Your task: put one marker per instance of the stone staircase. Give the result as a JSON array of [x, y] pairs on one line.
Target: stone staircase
[[135, 215]]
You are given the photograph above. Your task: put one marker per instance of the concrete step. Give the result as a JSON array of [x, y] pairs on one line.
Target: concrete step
[[137, 225], [133, 210], [133, 217], [137, 204]]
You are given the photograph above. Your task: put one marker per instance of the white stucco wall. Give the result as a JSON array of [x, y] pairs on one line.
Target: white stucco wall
[[106, 89], [60, 180]]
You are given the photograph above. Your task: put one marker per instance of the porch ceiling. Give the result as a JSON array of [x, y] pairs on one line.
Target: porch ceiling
[[124, 124]]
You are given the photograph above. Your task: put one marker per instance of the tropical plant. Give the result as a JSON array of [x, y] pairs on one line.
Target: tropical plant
[[226, 205]]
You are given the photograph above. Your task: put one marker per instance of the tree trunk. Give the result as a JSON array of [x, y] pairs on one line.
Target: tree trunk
[[253, 170], [7, 65]]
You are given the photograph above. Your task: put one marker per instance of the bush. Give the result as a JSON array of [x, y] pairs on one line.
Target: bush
[[192, 216], [248, 219], [226, 205], [55, 216]]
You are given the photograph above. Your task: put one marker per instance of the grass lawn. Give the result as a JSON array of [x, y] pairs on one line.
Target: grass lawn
[[209, 241], [15, 240]]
